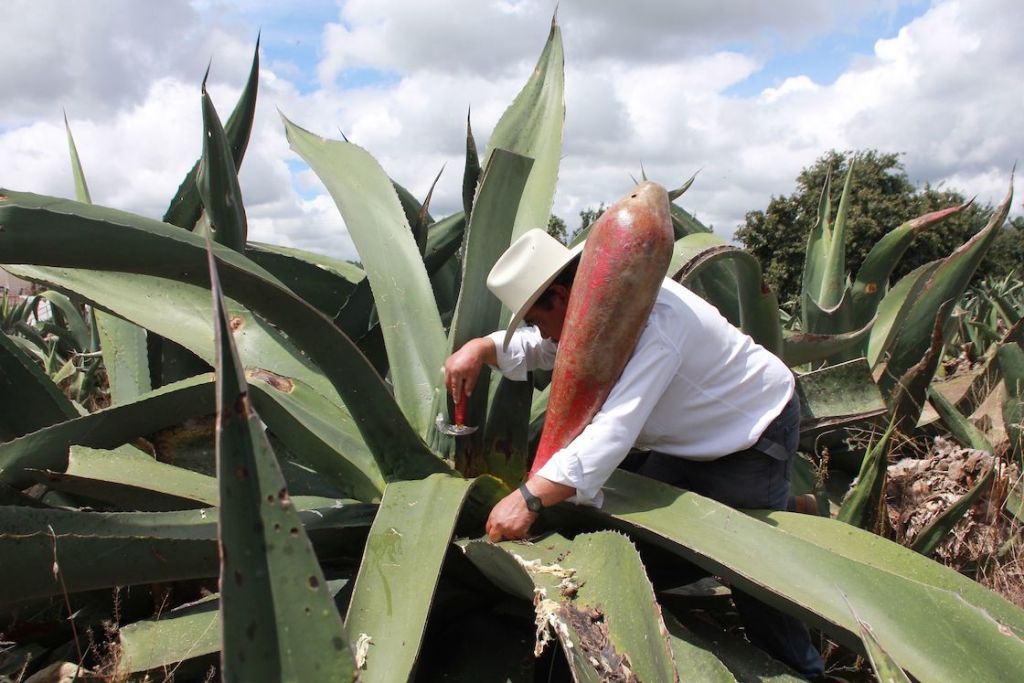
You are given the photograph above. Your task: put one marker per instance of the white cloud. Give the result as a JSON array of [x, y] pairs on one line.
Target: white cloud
[[646, 83]]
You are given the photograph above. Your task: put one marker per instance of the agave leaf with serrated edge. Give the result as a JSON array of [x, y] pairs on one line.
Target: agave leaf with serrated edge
[[55, 232], [795, 562], [217, 180], [29, 400], [404, 299], [279, 622], [399, 572], [185, 208], [532, 126], [600, 580], [947, 282]]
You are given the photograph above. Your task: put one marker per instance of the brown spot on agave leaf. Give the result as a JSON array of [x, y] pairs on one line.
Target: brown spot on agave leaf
[[281, 383], [236, 323], [592, 629], [871, 287]]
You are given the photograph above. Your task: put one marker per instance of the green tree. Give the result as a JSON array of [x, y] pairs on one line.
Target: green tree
[[881, 198], [589, 215], [557, 229]]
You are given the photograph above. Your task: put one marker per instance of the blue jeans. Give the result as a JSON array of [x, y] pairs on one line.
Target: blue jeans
[[752, 479]]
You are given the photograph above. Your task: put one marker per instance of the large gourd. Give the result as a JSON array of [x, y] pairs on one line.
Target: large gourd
[[621, 269]]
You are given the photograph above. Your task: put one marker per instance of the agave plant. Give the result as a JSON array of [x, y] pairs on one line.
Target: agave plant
[[336, 535]]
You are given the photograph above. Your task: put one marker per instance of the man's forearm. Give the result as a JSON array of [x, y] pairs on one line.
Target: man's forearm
[[549, 492]]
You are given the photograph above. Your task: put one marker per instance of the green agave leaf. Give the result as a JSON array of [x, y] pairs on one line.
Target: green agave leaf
[[886, 668], [800, 347], [1011, 363], [71, 316], [948, 282], [894, 308], [819, 244], [189, 631], [962, 429], [217, 180], [29, 400], [176, 311], [47, 447], [908, 396], [399, 572], [104, 549], [279, 621], [320, 433], [325, 283], [532, 126], [408, 313], [717, 281], [759, 309], [702, 649], [416, 214], [48, 231], [506, 439], [863, 504], [132, 480], [964, 634], [123, 344], [929, 538], [872, 279], [833, 271], [478, 312], [990, 374], [593, 594], [471, 170], [185, 208]]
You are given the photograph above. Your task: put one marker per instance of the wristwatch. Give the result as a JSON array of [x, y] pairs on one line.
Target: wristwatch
[[533, 503]]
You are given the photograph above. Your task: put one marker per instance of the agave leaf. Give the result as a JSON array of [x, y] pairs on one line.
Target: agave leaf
[[217, 180], [894, 308], [104, 549], [279, 620], [132, 480], [69, 234], [800, 347], [185, 208], [123, 344], [947, 282], [990, 374], [863, 503], [47, 447], [819, 244], [908, 396], [72, 318], [408, 313], [186, 632], [532, 126], [399, 572], [29, 400], [959, 426], [175, 311], [717, 282], [681, 190], [799, 573], [412, 209], [322, 281], [320, 433], [872, 279], [471, 171], [478, 311], [929, 538], [833, 271], [593, 594], [1011, 363], [759, 309], [506, 444], [886, 668], [705, 645]]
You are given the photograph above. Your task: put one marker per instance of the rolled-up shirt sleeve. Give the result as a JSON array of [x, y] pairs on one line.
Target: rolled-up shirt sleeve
[[527, 350], [589, 460]]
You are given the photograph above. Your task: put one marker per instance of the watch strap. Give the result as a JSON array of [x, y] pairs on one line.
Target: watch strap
[[533, 503]]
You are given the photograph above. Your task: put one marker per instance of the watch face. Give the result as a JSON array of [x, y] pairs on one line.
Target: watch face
[[534, 505]]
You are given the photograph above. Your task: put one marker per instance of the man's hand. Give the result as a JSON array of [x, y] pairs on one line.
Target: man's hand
[[510, 520], [462, 369]]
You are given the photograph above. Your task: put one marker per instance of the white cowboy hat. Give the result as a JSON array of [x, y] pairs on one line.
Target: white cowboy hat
[[525, 270]]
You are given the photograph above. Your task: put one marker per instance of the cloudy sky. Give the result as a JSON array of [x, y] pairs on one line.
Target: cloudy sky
[[747, 91]]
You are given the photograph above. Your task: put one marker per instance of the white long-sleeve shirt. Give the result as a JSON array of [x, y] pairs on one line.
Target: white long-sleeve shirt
[[695, 387]]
